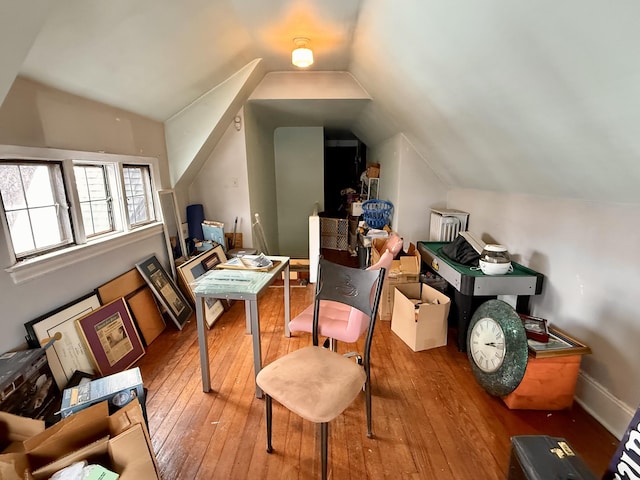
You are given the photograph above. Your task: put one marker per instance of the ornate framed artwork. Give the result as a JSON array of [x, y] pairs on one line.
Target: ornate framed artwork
[[165, 290], [111, 337]]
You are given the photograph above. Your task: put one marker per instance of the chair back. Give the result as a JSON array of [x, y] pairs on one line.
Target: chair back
[[354, 287], [358, 321]]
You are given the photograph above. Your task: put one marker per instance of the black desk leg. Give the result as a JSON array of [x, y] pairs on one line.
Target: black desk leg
[[522, 304], [464, 307]]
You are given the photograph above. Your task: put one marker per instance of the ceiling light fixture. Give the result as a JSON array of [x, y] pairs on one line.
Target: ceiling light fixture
[[302, 56]]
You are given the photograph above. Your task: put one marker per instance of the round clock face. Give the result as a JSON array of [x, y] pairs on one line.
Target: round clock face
[[497, 347], [487, 344]]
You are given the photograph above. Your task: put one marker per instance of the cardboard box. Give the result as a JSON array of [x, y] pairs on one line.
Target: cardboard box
[[27, 386], [404, 270], [420, 320], [118, 390], [119, 442]]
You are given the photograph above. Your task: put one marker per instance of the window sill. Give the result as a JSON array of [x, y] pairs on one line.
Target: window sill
[[36, 267]]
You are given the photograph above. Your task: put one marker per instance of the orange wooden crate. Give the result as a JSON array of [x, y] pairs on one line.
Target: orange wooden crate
[[548, 384]]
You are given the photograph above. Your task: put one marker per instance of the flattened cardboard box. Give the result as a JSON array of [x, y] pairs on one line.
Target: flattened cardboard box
[[420, 320], [119, 442]]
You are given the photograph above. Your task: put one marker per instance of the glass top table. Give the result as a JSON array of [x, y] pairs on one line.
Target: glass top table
[[244, 285]]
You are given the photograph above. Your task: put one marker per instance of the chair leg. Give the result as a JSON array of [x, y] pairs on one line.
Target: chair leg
[[324, 440], [267, 402], [367, 396]]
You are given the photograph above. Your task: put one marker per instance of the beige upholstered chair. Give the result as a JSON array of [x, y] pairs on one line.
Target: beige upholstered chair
[[315, 382]]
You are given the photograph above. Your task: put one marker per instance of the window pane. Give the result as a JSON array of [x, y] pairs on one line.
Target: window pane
[[45, 226], [95, 201], [11, 186], [35, 205], [37, 185], [101, 216], [137, 181], [20, 228]]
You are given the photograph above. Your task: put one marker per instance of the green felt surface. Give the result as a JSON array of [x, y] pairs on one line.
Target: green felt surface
[[436, 247]]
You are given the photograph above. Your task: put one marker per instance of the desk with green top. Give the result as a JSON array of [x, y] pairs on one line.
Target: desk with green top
[[470, 285]]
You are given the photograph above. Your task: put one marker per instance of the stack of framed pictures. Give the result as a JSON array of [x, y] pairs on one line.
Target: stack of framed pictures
[[97, 334], [194, 268]]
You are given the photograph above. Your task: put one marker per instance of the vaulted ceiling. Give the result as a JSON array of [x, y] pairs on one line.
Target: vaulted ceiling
[[536, 97]]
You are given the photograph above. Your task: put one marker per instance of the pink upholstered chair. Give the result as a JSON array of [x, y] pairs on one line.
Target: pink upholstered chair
[[339, 321]]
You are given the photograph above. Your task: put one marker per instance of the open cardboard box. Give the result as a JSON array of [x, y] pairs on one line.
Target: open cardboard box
[[420, 316], [119, 442], [404, 270]]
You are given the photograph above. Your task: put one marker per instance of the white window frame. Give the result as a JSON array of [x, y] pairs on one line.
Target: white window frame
[[83, 249]]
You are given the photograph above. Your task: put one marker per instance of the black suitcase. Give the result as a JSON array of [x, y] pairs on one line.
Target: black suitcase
[[541, 457]]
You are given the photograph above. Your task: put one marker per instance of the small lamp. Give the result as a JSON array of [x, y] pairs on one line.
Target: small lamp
[[302, 56]]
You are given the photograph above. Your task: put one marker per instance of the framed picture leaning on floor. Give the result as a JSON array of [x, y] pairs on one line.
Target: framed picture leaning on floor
[[165, 290]]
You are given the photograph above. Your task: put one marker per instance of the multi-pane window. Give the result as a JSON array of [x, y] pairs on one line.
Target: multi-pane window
[[137, 187], [51, 200], [35, 206], [95, 199]]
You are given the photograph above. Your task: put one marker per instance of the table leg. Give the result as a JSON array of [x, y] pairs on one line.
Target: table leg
[[287, 302], [247, 316], [464, 306], [257, 349], [204, 346]]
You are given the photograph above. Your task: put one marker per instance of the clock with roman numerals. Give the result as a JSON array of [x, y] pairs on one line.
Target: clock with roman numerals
[[497, 347]]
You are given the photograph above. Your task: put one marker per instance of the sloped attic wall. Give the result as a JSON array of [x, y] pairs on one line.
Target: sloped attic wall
[[20, 23], [192, 133], [536, 97]]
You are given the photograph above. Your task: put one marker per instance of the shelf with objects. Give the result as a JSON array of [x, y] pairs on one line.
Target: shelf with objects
[[471, 286]]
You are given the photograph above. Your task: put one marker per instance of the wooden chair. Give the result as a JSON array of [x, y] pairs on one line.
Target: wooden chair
[[315, 382]]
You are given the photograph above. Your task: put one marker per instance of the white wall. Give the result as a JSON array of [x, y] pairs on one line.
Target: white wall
[[222, 185], [261, 175], [299, 155], [409, 184], [36, 116], [588, 254]]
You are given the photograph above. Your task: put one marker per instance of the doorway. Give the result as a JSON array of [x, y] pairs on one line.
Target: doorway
[[344, 162]]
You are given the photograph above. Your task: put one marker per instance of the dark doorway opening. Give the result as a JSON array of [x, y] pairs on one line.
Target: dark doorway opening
[[344, 162]]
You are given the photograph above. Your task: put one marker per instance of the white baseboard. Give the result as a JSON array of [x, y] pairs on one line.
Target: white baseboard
[[614, 415]]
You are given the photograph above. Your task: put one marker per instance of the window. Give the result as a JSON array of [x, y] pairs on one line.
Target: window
[[35, 206], [137, 187], [95, 199], [60, 202]]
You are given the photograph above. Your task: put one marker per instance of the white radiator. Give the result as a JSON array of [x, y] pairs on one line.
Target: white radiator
[[446, 224]]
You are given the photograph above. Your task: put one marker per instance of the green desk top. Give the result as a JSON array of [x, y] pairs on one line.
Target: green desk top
[[436, 247], [468, 281]]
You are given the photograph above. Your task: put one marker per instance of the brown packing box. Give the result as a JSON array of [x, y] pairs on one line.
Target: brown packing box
[[404, 270], [423, 327], [119, 442]]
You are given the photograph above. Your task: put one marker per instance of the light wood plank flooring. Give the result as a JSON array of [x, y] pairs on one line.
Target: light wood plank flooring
[[431, 419]]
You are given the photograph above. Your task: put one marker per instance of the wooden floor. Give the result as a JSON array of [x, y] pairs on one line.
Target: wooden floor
[[431, 419]]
